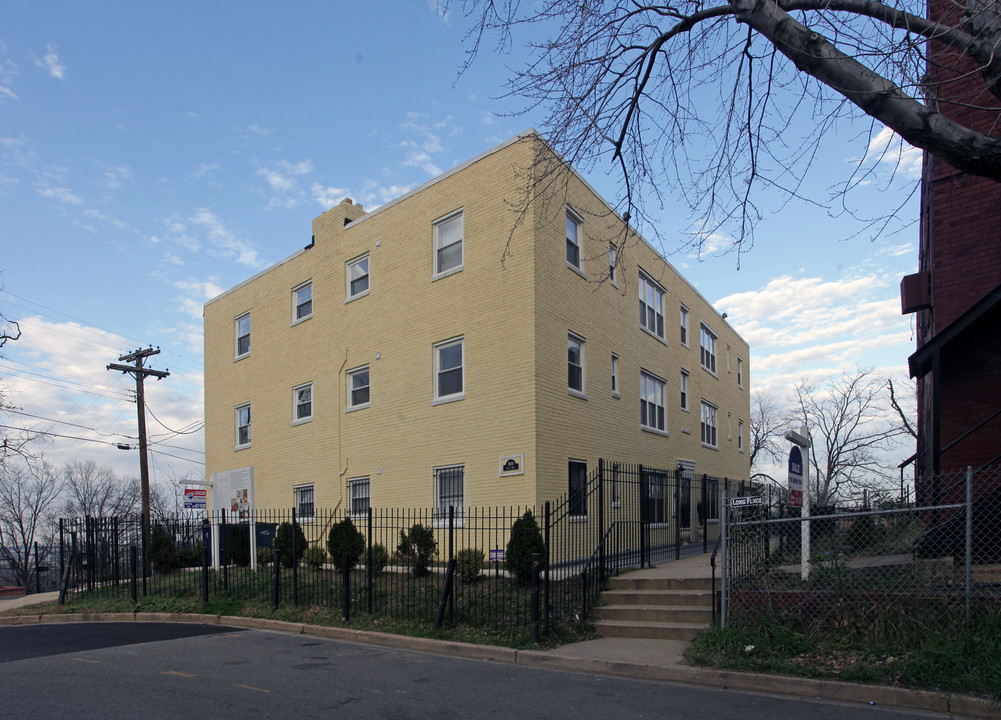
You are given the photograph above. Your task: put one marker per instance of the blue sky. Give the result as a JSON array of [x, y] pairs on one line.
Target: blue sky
[[152, 156]]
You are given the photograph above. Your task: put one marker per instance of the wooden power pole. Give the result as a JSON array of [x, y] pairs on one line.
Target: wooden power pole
[[141, 373]]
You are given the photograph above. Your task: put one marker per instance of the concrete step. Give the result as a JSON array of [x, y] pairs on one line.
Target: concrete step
[[657, 597], [656, 614], [627, 582], [648, 630]]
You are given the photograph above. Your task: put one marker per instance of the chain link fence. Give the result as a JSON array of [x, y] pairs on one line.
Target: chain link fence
[[857, 564]]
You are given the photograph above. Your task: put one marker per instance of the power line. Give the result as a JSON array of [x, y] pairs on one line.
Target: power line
[[58, 435], [64, 422]]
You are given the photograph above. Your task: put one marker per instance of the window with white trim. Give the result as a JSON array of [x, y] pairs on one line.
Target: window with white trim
[[611, 263], [712, 499], [358, 388], [575, 364], [577, 488], [243, 426], [448, 234], [740, 435], [740, 371], [448, 491], [359, 499], [615, 375], [357, 277], [302, 302], [708, 424], [302, 403], [652, 411], [574, 225], [651, 306], [448, 371], [684, 390], [303, 495], [653, 505], [684, 326], [242, 336], [708, 348]]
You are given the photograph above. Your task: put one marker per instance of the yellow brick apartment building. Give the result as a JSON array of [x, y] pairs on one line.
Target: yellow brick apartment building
[[475, 342]]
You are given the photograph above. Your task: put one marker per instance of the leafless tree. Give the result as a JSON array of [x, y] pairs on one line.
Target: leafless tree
[[93, 491], [14, 443], [905, 406], [725, 103], [852, 428], [28, 495], [766, 425]]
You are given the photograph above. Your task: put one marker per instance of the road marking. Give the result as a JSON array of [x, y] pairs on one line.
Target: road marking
[[179, 674], [250, 687], [93, 662]]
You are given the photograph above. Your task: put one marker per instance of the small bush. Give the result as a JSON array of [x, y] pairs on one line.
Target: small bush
[[526, 538], [418, 548], [162, 550], [283, 544], [238, 544], [264, 556], [469, 564], [380, 558], [314, 557], [191, 556], [343, 538]]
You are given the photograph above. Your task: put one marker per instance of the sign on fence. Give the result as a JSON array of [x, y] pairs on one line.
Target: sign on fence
[[747, 501], [194, 499], [795, 477]]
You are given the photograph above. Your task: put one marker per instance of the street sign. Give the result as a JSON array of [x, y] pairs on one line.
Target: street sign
[[497, 555], [194, 498], [795, 477], [747, 501]]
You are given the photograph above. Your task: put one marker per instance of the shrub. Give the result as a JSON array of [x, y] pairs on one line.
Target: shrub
[[469, 564], [191, 556], [526, 538], [238, 544], [380, 558], [314, 557], [283, 543], [343, 538], [264, 556], [418, 548], [162, 550]]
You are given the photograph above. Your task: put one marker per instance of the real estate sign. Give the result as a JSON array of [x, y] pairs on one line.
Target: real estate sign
[[795, 477]]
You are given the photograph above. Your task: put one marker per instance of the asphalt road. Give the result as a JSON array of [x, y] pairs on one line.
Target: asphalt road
[[169, 670]]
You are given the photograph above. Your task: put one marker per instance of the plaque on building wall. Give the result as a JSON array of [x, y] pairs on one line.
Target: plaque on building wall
[[512, 465]]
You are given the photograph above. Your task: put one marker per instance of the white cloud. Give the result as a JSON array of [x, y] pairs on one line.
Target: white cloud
[[50, 62], [328, 196], [224, 241], [196, 293], [60, 194], [893, 154]]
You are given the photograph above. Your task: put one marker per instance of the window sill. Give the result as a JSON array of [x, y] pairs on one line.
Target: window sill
[[359, 296], [617, 395], [448, 399], [301, 320], [238, 358], [576, 269], [711, 447], [654, 431], [353, 408], [446, 273], [711, 372], [238, 448], [577, 394], [302, 421], [654, 335]]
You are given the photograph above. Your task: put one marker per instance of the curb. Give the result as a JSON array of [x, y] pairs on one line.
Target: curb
[[878, 695]]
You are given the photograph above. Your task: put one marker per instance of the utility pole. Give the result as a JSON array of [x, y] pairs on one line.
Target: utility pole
[[140, 373]]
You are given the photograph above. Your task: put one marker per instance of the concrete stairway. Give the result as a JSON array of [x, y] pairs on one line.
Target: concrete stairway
[[656, 608]]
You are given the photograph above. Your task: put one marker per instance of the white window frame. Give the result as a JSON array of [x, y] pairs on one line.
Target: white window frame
[[349, 270], [575, 222], [707, 348], [350, 375], [684, 390], [299, 499], [237, 355], [240, 425], [298, 303], [612, 258], [653, 394], [355, 485], [648, 287], [577, 504], [684, 325], [709, 425], [297, 403], [615, 376], [740, 371], [740, 435], [573, 339], [440, 508], [437, 270], [438, 348]]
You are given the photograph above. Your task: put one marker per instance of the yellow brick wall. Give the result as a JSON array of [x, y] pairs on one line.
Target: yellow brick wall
[[514, 303]]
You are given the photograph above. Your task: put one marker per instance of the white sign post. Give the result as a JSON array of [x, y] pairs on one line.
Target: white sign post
[[233, 491], [799, 489]]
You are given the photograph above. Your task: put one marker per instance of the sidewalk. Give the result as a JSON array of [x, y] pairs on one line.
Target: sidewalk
[[661, 660]]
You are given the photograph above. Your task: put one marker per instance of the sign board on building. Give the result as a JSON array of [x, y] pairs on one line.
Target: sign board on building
[[747, 501], [497, 555], [511, 465], [795, 477], [194, 498]]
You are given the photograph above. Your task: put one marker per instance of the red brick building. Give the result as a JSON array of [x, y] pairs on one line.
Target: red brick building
[[957, 291]]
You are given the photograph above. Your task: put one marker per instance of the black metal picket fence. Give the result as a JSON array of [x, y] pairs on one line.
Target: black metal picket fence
[[454, 565]]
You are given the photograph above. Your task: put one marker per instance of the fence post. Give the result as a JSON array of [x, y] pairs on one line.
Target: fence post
[[725, 550], [534, 627], [205, 573], [445, 591], [222, 545], [601, 519], [145, 550], [368, 565], [548, 563], [704, 515], [969, 537], [677, 512], [642, 514], [115, 550], [133, 572], [295, 562], [62, 550], [276, 561], [346, 586]]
